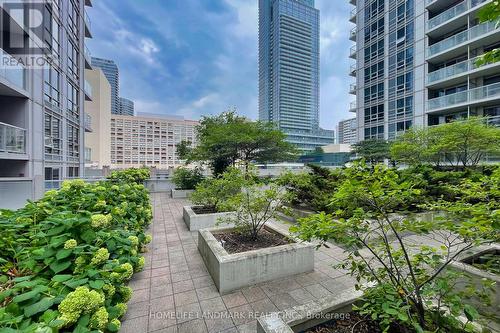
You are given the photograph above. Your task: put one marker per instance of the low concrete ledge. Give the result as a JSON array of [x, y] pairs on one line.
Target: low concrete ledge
[[238, 270], [201, 221], [181, 194], [303, 317]]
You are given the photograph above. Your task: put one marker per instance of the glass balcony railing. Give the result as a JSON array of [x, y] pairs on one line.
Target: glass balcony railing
[[87, 88], [352, 52], [353, 106], [467, 96], [12, 71], [12, 139], [88, 122], [462, 37], [453, 70], [453, 12]]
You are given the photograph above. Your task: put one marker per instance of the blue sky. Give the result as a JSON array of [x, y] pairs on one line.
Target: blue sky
[[199, 57]]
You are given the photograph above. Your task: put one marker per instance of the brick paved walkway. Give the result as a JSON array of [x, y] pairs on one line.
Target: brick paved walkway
[[175, 292]]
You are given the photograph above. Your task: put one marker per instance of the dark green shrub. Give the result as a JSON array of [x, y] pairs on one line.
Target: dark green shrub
[[186, 179]]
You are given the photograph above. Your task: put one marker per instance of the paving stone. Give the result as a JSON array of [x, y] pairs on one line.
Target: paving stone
[[253, 294], [219, 324], [283, 301], [160, 281], [242, 314], [193, 326], [139, 296], [188, 312], [160, 271], [182, 286], [263, 307], [250, 327], [301, 295], [203, 281], [161, 291], [207, 292], [135, 325], [186, 297], [317, 290], [161, 304], [135, 310], [181, 276], [137, 284], [234, 299], [215, 304]]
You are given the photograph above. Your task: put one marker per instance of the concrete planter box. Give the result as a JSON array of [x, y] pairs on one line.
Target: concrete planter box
[[238, 270], [294, 214], [181, 194], [303, 317], [200, 221]]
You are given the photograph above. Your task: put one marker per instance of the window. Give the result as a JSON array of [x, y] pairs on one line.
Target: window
[[73, 172], [374, 92], [374, 51], [52, 173], [73, 61], [376, 132], [401, 108], [73, 103], [374, 72], [51, 87], [401, 84], [73, 17], [73, 141], [51, 31], [374, 113], [52, 130]]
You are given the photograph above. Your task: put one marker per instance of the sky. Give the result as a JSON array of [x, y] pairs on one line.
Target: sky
[[200, 57]]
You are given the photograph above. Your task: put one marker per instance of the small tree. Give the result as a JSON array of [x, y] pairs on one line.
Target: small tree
[[415, 147], [183, 149], [372, 150], [227, 139], [411, 284], [254, 206], [490, 13], [186, 179], [212, 193]]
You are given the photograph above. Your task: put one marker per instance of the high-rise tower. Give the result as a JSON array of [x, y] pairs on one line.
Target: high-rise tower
[[289, 70]]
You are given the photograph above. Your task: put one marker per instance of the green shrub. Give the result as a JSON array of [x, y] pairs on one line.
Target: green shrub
[[65, 258], [131, 175], [186, 179], [214, 192]]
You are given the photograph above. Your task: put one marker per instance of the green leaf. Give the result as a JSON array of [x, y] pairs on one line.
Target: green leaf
[[96, 284], [40, 306], [76, 283], [30, 294], [89, 236], [61, 254], [470, 312], [61, 277], [60, 266]]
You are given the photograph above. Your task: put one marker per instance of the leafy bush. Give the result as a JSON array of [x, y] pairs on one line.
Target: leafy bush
[[212, 193], [131, 175], [66, 258], [409, 284], [312, 190], [254, 206], [186, 179]]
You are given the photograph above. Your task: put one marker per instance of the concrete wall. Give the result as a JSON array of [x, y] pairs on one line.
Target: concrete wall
[[99, 140], [201, 221], [234, 271]]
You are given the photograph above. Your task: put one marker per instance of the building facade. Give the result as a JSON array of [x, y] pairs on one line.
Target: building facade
[[110, 70], [149, 140], [42, 119], [98, 141], [348, 131], [415, 64], [126, 107], [289, 70]]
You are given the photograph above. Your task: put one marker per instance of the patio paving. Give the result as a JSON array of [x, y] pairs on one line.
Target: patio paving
[[175, 292]]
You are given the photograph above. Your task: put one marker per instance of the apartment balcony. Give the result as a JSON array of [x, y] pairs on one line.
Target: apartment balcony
[[352, 70], [353, 2], [353, 34], [354, 13], [87, 89], [481, 34], [353, 52], [12, 77], [88, 57], [352, 89], [453, 18], [456, 73], [88, 31], [88, 3], [12, 142], [353, 107], [88, 123], [484, 95]]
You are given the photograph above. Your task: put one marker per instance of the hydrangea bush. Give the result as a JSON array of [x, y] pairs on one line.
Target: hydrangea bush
[[66, 259]]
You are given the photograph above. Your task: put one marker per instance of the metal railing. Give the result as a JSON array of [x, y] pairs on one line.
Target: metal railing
[[456, 69], [467, 96], [87, 88], [353, 33], [12, 70], [352, 52], [453, 12], [87, 21], [12, 139], [353, 106], [462, 37]]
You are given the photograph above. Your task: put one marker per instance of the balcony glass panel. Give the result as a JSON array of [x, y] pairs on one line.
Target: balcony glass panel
[[11, 71], [12, 139], [462, 37], [469, 96], [450, 71], [448, 14]]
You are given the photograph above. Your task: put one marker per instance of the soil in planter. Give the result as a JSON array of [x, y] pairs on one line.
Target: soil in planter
[[204, 210], [346, 325], [235, 242]]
